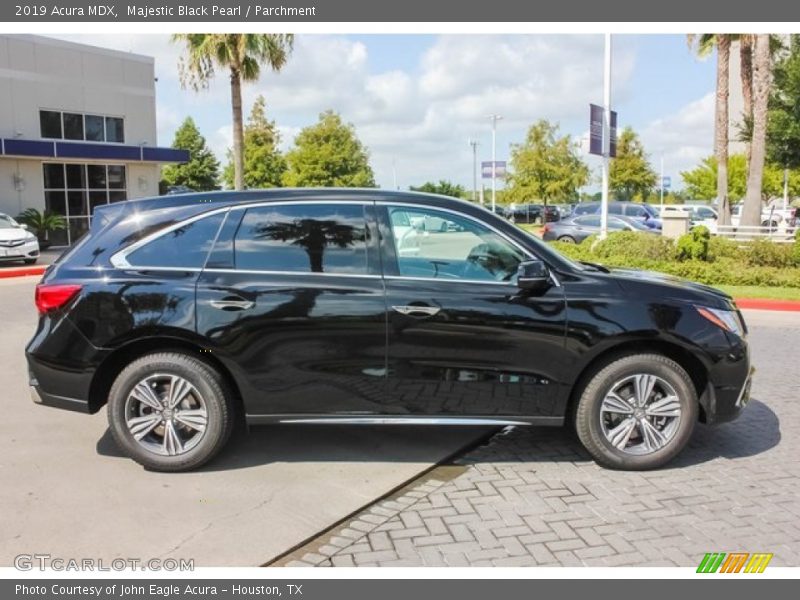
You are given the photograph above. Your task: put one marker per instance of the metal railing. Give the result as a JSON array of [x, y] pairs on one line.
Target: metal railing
[[747, 233]]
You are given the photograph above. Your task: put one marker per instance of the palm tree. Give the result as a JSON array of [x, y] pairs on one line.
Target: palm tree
[[703, 45], [242, 54], [762, 75]]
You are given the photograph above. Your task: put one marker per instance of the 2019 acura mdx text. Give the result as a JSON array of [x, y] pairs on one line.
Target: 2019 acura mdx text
[[186, 312]]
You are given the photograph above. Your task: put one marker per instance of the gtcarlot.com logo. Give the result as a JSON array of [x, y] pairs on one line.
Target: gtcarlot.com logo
[[734, 562], [30, 562]]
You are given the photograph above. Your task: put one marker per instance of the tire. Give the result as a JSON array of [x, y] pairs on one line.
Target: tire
[[207, 394], [567, 239], [594, 421], [30, 261]]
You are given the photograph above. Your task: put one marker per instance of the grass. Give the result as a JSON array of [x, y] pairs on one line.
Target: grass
[[753, 291]]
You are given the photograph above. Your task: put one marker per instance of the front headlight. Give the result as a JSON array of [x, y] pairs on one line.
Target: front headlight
[[726, 319]]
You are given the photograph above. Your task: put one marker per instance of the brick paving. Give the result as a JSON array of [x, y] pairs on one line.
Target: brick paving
[[533, 497]]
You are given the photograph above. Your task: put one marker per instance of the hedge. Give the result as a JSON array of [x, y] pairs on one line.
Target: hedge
[[697, 256]]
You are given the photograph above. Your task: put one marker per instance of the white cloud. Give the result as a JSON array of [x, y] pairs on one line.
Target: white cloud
[[682, 138]]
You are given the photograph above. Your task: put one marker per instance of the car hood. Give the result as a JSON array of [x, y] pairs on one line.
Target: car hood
[[671, 287], [8, 234]]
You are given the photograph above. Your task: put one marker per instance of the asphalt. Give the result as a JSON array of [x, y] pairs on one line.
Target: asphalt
[[65, 489]]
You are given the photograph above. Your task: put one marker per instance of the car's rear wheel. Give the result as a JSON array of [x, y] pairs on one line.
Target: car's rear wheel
[[567, 239], [170, 411], [637, 412]]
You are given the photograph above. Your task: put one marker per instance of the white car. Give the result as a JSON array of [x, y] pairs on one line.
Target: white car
[[16, 242]]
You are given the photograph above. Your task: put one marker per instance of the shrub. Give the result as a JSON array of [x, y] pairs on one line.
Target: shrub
[[694, 245], [796, 248], [763, 253], [722, 247], [632, 245]]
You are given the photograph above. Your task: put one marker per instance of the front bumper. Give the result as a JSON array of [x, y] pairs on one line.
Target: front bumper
[[25, 251]]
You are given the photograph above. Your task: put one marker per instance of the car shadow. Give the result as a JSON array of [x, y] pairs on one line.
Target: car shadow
[[755, 432]]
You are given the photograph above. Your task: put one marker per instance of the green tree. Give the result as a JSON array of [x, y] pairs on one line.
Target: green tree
[[762, 72], [783, 121], [242, 55], [546, 166], [701, 181], [631, 176], [201, 173], [328, 154], [264, 165], [444, 188]]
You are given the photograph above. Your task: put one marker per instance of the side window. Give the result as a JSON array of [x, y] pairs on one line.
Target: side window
[[440, 245], [303, 238], [184, 247], [589, 221], [615, 209], [636, 211], [616, 224]]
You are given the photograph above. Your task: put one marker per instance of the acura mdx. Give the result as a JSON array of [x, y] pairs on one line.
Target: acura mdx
[[187, 312]]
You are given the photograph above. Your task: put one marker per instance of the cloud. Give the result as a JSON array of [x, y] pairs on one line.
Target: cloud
[[682, 138]]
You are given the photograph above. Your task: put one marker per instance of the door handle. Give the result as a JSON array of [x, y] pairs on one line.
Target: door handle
[[231, 304], [417, 311]]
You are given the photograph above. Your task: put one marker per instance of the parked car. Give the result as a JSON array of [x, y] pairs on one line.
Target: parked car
[[295, 306], [16, 242], [646, 213], [576, 229], [533, 214], [770, 217]]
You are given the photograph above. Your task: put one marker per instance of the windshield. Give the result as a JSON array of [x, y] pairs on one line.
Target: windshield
[[7, 222]]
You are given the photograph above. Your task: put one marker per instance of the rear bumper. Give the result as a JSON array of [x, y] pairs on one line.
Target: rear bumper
[[40, 397]]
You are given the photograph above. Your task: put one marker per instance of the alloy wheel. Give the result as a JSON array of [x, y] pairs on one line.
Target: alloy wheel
[[166, 414], [640, 414]]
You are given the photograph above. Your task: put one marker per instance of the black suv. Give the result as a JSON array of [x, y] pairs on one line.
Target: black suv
[[336, 306], [533, 214]]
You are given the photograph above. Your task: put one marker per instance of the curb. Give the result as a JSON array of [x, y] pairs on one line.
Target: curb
[[22, 271], [767, 304]]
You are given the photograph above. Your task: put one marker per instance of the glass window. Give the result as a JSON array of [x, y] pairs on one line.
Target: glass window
[[116, 177], [53, 176], [184, 247], [117, 196], [636, 211], [76, 176], [617, 224], [589, 221], [115, 130], [77, 203], [95, 129], [585, 209], [441, 245], [615, 209], [97, 176], [73, 126], [97, 199], [315, 238], [50, 123], [55, 202]]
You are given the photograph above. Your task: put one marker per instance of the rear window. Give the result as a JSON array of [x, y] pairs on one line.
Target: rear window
[[184, 247]]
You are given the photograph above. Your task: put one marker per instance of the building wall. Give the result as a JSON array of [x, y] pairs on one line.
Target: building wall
[[41, 73]]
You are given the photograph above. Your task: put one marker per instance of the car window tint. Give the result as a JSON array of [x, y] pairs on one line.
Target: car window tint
[[615, 209], [616, 224], [441, 245], [636, 211], [589, 221], [184, 247], [303, 238]]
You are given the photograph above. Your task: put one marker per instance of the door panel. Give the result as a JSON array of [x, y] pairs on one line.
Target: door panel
[[293, 303], [463, 339]]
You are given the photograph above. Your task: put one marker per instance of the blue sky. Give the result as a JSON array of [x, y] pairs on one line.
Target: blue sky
[[416, 99]]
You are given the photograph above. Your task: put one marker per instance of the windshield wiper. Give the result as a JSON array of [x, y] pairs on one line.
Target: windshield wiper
[[595, 266]]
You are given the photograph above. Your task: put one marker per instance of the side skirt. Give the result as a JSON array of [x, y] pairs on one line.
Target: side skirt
[[306, 419]]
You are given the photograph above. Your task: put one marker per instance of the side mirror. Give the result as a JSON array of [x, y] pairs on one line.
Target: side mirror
[[533, 275]]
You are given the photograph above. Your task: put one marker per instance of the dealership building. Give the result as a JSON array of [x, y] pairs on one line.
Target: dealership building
[[77, 129]]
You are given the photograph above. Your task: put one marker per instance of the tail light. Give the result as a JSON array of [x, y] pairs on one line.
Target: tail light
[[52, 296]]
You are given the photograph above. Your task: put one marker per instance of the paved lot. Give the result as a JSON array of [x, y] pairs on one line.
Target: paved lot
[[532, 497], [66, 491]]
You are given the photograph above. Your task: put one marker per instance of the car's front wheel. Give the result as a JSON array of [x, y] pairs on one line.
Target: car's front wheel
[[637, 412], [170, 411]]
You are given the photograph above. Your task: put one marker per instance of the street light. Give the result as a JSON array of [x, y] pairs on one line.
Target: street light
[[606, 136], [494, 119], [474, 145]]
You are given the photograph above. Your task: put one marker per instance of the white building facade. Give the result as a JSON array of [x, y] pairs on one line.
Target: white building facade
[[77, 129]]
